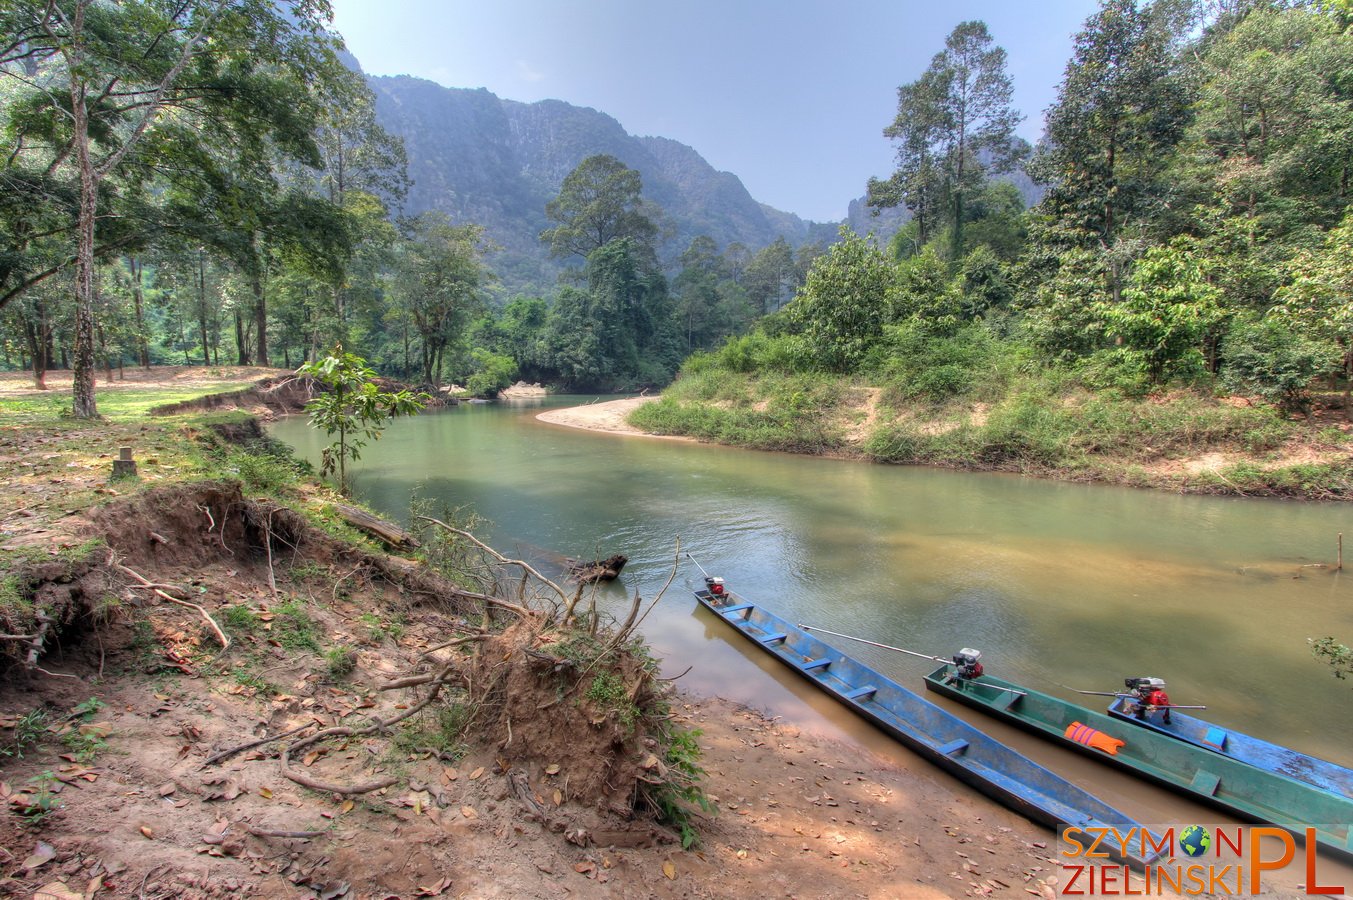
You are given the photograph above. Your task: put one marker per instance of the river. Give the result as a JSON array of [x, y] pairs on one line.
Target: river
[[1061, 586]]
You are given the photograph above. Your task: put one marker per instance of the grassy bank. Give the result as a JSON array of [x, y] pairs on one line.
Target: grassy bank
[[1040, 424]]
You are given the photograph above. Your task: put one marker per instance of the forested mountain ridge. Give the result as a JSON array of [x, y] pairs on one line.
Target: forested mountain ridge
[[496, 162]]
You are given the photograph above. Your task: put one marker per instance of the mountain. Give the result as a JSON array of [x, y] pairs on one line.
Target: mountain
[[497, 162]]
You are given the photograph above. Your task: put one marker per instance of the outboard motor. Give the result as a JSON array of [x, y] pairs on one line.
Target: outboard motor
[[1148, 692], [967, 663], [714, 585]]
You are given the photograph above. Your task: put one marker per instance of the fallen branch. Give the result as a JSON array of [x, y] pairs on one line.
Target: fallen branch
[[456, 643], [490, 599], [388, 533], [34, 651], [260, 832], [675, 677], [156, 586], [267, 545], [525, 566], [226, 754], [415, 680], [631, 622], [333, 595], [344, 731], [521, 787], [345, 789], [145, 582]]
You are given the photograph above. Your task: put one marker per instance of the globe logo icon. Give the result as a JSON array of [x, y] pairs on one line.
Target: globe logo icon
[[1195, 840]]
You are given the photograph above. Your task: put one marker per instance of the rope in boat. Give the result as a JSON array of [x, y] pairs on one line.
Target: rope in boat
[[872, 643]]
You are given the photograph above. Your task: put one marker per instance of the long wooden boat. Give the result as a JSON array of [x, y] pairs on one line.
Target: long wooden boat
[[931, 732], [1244, 790], [1245, 748]]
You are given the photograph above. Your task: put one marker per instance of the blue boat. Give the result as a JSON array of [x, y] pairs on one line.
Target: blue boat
[[1242, 747], [1246, 791], [940, 737]]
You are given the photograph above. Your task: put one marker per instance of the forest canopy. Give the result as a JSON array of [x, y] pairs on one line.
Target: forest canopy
[[206, 182]]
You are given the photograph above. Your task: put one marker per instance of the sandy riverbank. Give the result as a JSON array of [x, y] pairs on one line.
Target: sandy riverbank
[[609, 415]]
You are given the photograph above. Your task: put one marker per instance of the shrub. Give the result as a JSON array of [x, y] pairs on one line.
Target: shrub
[[1267, 358]]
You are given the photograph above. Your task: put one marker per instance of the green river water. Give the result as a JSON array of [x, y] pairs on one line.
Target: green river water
[[1060, 585]]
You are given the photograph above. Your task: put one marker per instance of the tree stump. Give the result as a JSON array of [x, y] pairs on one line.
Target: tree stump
[[124, 466]]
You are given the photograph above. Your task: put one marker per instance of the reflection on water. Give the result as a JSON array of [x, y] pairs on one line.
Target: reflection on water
[[1062, 586]]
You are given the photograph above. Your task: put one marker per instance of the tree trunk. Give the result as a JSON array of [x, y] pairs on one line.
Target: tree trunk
[[103, 349], [241, 339], [38, 348], [260, 317], [202, 307], [83, 405], [142, 345]]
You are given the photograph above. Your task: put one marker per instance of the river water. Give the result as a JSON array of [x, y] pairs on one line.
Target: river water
[[1061, 586]]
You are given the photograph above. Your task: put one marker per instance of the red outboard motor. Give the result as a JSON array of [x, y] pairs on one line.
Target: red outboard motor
[[1149, 692], [967, 663], [714, 585]]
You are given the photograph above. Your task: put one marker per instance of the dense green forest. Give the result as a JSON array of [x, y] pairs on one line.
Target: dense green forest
[[205, 183], [1195, 241]]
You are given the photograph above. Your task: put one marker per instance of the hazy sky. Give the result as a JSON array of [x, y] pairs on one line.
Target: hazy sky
[[790, 96]]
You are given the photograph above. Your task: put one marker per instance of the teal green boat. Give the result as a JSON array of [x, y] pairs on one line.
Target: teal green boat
[[1251, 793]]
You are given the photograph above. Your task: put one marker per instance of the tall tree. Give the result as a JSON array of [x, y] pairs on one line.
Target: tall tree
[[771, 277], [981, 133], [954, 125], [1121, 108], [917, 182], [439, 282], [599, 201], [1317, 298], [109, 73], [1273, 137]]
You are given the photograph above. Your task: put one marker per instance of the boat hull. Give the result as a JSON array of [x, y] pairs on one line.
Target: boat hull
[[1243, 747], [931, 732], [1243, 790]]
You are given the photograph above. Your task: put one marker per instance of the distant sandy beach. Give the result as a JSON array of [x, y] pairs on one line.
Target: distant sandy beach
[[607, 416]]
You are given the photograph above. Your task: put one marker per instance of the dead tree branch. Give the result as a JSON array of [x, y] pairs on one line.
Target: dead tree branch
[[162, 594], [525, 567], [226, 754], [344, 731]]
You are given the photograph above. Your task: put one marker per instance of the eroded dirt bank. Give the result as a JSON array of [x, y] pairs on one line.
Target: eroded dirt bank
[[119, 796]]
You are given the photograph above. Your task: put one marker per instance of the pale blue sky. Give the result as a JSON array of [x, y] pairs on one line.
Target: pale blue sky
[[790, 96]]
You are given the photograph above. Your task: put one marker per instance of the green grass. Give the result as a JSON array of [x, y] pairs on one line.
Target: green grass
[[114, 404], [776, 412], [293, 628], [1041, 429], [29, 730], [378, 628], [240, 620], [257, 683], [439, 732], [340, 661], [608, 692]]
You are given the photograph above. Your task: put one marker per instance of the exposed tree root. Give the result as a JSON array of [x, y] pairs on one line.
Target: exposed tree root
[[226, 754], [164, 595]]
